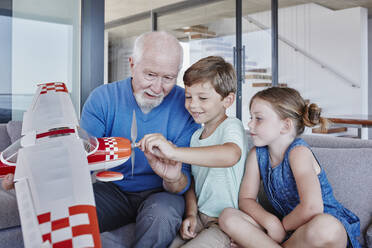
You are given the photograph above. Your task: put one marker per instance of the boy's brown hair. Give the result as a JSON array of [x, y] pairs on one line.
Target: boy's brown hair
[[215, 70]]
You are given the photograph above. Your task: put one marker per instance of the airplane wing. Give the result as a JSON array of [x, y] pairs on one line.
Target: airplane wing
[[51, 108], [55, 195], [52, 114]]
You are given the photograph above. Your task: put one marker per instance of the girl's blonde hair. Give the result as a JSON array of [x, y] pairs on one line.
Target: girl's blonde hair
[[288, 103]]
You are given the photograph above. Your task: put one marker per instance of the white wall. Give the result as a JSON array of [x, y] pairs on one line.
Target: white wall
[[336, 38]]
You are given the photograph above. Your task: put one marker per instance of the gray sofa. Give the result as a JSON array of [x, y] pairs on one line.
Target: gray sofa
[[348, 164]]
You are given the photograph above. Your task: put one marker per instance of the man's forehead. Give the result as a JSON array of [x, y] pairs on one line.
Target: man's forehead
[[159, 65], [165, 70]]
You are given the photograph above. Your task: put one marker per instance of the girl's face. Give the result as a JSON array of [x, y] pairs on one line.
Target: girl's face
[[265, 125]]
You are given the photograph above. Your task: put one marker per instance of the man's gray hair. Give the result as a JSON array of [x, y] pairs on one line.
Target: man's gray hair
[[140, 41]]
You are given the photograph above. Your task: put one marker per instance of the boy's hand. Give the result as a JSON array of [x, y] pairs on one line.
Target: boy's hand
[[156, 144], [187, 230]]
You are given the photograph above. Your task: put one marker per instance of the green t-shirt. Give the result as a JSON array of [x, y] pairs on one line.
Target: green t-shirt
[[218, 188]]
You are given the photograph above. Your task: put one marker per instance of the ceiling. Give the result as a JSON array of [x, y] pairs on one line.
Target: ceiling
[[125, 18]]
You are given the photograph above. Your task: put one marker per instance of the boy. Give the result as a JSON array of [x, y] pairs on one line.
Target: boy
[[217, 153]]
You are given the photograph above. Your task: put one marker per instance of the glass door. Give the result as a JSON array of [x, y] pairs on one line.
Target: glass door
[[203, 31], [42, 44]]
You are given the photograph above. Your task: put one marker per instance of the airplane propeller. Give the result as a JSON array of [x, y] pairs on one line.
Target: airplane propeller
[[133, 136]]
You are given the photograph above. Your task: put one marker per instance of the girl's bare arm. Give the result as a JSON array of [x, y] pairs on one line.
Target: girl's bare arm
[[304, 166], [247, 200]]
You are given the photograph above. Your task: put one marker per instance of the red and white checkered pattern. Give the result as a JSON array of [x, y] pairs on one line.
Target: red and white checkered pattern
[[57, 86], [79, 229], [112, 148]]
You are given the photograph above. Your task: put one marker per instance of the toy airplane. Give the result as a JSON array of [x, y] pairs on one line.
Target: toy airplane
[[52, 114], [52, 163]]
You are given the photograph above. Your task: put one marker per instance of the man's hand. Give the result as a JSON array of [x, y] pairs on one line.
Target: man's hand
[[7, 182], [173, 179], [169, 170], [187, 230]]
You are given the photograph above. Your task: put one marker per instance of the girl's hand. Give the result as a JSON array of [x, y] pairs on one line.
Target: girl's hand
[[187, 230], [159, 146], [233, 244], [275, 230]]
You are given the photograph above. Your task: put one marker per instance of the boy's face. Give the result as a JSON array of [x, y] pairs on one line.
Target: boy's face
[[204, 104]]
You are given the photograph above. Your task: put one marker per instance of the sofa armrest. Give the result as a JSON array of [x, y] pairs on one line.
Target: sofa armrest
[[9, 216], [4, 137], [14, 129]]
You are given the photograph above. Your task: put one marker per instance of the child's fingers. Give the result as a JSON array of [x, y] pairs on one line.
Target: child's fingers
[[159, 146], [144, 142], [185, 230], [7, 182], [187, 235], [233, 244], [149, 141], [192, 228], [155, 150]]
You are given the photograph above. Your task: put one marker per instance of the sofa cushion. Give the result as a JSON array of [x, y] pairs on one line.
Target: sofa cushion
[[349, 172], [336, 142], [14, 130]]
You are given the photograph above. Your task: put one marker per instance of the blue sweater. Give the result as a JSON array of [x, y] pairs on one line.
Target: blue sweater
[[108, 113]]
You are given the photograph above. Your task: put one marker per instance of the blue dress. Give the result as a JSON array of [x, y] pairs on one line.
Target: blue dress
[[281, 191]]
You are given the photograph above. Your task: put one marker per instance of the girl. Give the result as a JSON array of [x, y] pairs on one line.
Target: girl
[[294, 182]]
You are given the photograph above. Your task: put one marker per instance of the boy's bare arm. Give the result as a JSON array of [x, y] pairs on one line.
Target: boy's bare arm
[[191, 202], [225, 155], [188, 227]]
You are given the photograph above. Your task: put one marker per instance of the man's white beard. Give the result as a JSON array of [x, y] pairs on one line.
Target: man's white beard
[[146, 104]]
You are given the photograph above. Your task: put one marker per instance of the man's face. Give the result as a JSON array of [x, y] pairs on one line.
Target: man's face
[[154, 76]]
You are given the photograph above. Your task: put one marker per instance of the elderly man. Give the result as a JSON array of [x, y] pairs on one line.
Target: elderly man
[[152, 196]]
